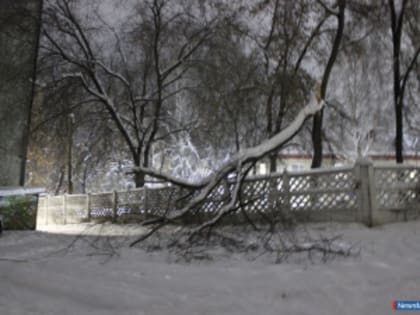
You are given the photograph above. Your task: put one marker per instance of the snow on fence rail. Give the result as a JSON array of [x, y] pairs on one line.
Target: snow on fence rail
[[367, 193]]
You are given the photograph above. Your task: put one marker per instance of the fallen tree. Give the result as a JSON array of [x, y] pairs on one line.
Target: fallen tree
[[277, 238], [237, 169]]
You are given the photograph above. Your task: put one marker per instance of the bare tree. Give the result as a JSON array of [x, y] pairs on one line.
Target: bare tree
[[356, 118], [354, 114], [19, 34], [338, 11], [293, 32], [401, 77], [137, 103], [92, 141], [228, 91]]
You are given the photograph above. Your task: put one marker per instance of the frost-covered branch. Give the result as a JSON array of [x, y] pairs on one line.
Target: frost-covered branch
[[136, 106], [256, 152], [243, 159]]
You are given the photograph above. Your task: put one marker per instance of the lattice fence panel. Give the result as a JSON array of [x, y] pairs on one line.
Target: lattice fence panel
[[76, 208], [323, 201], [257, 195], [102, 205], [396, 199], [131, 202], [337, 180], [216, 199], [396, 187], [161, 200], [333, 190], [394, 177]]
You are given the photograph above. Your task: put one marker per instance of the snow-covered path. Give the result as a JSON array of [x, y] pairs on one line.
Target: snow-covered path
[[136, 282]]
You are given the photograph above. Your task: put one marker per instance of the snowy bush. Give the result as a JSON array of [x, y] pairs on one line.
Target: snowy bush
[[18, 212]]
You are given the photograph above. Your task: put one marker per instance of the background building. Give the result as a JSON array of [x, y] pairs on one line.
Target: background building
[[19, 31]]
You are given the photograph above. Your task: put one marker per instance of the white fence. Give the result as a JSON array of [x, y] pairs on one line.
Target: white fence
[[367, 193]]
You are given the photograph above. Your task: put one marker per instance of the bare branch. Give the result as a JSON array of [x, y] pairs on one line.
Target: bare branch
[[242, 159], [326, 8]]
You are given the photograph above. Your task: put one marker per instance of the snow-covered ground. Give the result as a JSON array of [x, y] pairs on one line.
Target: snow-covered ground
[[48, 273]]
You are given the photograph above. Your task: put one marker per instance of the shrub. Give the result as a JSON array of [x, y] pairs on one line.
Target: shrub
[[19, 212]]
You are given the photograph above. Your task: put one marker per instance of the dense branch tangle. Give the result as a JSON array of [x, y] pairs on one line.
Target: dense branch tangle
[[137, 104], [237, 168]]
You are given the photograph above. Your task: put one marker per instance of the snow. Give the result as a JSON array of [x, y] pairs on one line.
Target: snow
[[6, 191], [47, 273]]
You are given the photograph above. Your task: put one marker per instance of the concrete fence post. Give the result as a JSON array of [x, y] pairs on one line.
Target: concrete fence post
[[41, 211], [145, 199], [88, 208], [365, 189], [65, 209], [375, 215], [47, 210], [115, 205], [286, 190]]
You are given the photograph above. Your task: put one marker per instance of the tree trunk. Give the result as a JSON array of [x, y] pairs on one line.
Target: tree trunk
[[27, 126], [273, 162], [139, 179], [84, 180], [19, 28], [396, 28], [317, 120], [70, 123], [139, 176], [317, 140], [399, 135], [60, 182]]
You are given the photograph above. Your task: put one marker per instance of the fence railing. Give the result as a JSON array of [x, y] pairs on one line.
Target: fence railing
[[368, 193]]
